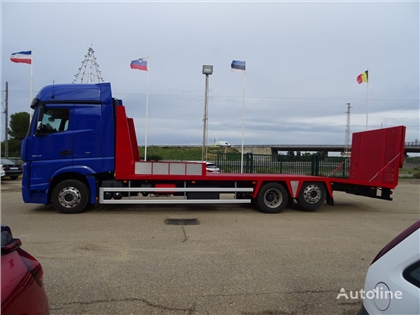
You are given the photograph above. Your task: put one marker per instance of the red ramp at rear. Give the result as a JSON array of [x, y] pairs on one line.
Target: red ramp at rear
[[377, 155]]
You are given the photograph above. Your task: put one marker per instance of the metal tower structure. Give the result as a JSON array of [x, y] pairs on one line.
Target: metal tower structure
[[89, 70], [347, 139]]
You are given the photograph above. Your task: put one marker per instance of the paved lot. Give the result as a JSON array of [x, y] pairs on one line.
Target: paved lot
[[125, 260]]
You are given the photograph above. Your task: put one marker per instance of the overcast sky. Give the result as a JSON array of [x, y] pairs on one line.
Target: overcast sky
[[302, 61]]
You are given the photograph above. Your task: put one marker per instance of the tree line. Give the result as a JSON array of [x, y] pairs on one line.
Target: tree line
[[17, 130]]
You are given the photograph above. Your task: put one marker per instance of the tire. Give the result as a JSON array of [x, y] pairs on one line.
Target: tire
[[312, 196], [14, 177], [70, 196], [254, 202], [272, 198], [291, 203]]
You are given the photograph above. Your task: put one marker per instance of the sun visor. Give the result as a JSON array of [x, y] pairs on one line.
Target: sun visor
[[90, 93]]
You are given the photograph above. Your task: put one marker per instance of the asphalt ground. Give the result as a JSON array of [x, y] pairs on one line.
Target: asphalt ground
[[126, 260]]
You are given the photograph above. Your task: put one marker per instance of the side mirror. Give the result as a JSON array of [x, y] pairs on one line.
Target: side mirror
[[40, 129], [8, 243]]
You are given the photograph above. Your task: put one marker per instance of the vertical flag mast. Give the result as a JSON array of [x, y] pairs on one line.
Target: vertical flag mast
[[363, 77], [240, 66], [142, 64], [147, 113], [30, 95], [367, 98], [243, 125]]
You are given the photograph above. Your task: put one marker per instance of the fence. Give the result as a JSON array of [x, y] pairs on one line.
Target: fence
[[284, 164]]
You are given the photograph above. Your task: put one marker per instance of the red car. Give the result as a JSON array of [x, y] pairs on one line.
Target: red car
[[22, 289]]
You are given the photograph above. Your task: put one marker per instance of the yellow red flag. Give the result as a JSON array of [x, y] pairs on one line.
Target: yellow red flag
[[363, 77]]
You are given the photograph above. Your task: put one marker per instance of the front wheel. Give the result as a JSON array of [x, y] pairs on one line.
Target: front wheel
[[70, 196], [312, 196], [272, 198]]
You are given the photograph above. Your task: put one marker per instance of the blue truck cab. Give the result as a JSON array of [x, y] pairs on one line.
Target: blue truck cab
[[70, 145]]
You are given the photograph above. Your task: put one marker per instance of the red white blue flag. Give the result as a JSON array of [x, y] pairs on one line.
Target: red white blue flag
[[139, 64], [22, 57]]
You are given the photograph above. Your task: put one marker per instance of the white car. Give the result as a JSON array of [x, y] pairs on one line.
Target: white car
[[392, 284], [2, 172], [223, 144], [212, 168]]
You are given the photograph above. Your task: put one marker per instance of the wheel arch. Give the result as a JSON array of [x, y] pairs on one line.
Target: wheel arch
[[260, 184], [86, 180], [312, 194], [295, 186], [273, 197]]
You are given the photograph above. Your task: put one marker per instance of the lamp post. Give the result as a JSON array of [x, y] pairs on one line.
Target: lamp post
[[207, 70]]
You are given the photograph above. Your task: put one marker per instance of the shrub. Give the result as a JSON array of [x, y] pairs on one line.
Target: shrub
[[154, 157]]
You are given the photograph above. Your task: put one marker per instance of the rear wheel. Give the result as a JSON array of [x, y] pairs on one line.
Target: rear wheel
[[254, 203], [70, 196], [312, 196], [272, 198]]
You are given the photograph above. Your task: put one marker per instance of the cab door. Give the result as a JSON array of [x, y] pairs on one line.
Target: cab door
[[50, 146]]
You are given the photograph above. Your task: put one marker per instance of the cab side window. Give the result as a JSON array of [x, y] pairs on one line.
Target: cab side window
[[53, 120]]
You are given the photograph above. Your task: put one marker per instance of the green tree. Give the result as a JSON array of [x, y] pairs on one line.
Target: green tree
[[19, 125], [290, 156], [18, 128]]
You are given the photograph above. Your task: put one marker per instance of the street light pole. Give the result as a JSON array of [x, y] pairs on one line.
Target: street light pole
[[207, 70], [203, 155]]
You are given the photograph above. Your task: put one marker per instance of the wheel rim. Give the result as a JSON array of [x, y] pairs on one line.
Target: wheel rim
[[312, 194], [273, 198], [69, 197]]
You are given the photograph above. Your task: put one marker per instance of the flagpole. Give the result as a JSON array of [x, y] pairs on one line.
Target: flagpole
[[30, 95], [367, 99], [243, 119], [147, 111]]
